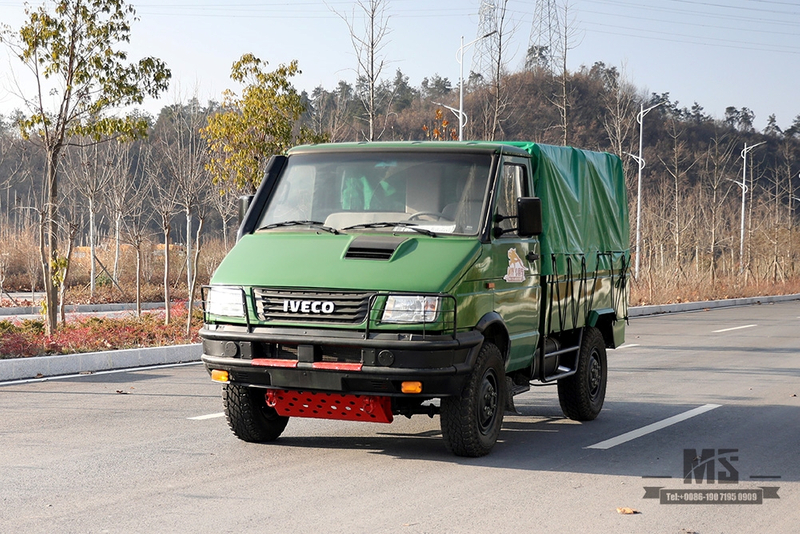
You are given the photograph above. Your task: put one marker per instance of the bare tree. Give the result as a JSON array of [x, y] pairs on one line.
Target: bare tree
[[620, 101], [184, 152], [369, 44], [119, 192], [71, 208], [201, 209], [90, 169], [328, 112], [568, 34], [497, 100], [789, 172], [715, 175], [164, 194], [222, 199], [135, 224], [10, 156], [680, 162]]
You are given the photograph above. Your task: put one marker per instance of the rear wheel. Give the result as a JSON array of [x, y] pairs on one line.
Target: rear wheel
[[581, 395], [471, 422], [248, 415]]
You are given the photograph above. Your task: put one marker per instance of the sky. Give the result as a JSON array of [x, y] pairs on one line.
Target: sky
[[741, 53]]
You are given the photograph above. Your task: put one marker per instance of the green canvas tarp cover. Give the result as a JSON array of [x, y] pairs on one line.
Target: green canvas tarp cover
[[584, 208]]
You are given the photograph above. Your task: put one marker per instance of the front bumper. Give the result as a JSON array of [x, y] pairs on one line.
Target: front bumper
[[341, 361]]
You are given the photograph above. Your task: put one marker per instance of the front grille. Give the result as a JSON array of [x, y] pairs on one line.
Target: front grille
[[311, 306]]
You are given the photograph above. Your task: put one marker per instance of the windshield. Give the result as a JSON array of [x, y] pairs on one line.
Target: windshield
[[440, 193]]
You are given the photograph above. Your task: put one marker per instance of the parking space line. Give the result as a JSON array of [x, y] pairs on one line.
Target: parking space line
[[204, 417], [734, 328], [633, 434], [628, 346]]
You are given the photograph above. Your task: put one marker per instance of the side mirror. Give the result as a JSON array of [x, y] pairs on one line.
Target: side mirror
[[529, 215], [244, 205]]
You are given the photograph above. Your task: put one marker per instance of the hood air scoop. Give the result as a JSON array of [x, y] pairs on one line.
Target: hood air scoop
[[373, 247]]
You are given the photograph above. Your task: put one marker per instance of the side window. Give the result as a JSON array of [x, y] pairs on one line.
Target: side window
[[512, 186]]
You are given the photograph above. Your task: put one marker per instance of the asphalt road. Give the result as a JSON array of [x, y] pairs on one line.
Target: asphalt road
[[126, 452]]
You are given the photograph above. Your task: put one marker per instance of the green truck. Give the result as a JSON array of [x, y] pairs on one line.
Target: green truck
[[371, 280]]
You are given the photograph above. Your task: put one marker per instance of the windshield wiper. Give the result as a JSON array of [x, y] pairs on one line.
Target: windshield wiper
[[313, 224], [383, 224]]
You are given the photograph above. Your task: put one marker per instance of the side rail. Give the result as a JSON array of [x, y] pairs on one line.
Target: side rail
[[584, 287], [573, 295]]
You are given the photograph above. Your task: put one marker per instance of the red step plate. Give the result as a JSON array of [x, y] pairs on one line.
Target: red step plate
[[331, 406]]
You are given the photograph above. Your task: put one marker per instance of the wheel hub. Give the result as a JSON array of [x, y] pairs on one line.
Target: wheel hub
[[488, 402], [595, 372]]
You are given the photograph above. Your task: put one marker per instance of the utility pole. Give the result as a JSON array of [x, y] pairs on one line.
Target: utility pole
[[640, 161], [462, 117], [744, 187]]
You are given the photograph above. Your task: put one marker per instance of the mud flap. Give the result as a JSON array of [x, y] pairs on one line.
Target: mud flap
[[510, 408]]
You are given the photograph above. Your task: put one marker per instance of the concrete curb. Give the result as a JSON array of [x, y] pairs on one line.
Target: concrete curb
[[81, 308], [66, 364], [644, 311]]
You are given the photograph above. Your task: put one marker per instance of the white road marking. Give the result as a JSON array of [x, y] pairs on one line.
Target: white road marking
[[628, 346], [734, 328], [204, 417], [633, 434]]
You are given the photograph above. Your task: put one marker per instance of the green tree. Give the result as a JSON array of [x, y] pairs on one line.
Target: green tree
[[435, 87], [247, 130], [404, 94], [72, 50]]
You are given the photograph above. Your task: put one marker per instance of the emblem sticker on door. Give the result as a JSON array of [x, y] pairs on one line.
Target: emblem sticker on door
[[516, 269]]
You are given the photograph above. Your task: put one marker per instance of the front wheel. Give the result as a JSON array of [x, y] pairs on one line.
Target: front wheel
[[581, 395], [471, 422], [248, 415]]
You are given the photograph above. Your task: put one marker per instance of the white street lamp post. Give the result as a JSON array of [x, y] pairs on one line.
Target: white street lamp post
[[743, 185], [462, 118], [640, 161]]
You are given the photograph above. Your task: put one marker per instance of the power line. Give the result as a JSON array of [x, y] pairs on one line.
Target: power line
[[698, 25], [683, 41], [713, 15]]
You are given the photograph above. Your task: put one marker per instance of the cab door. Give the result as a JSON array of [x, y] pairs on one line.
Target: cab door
[[515, 265]]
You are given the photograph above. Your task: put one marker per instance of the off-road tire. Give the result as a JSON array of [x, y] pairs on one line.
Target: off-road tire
[[581, 395], [248, 415], [471, 422]]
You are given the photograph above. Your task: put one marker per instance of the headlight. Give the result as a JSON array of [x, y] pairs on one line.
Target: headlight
[[225, 301], [411, 309]]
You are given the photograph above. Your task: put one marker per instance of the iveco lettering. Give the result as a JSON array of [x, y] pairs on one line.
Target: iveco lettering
[[308, 306], [377, 280]]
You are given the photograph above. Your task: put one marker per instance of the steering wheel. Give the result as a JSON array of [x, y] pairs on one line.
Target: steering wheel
[[434, 215]]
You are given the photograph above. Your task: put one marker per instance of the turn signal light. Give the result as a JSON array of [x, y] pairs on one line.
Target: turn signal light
[[218, 375], [411, 387]]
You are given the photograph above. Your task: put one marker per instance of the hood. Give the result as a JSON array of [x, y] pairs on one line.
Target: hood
[[382, 261]]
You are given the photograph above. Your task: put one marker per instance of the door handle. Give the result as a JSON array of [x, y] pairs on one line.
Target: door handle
[[531, 256]]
